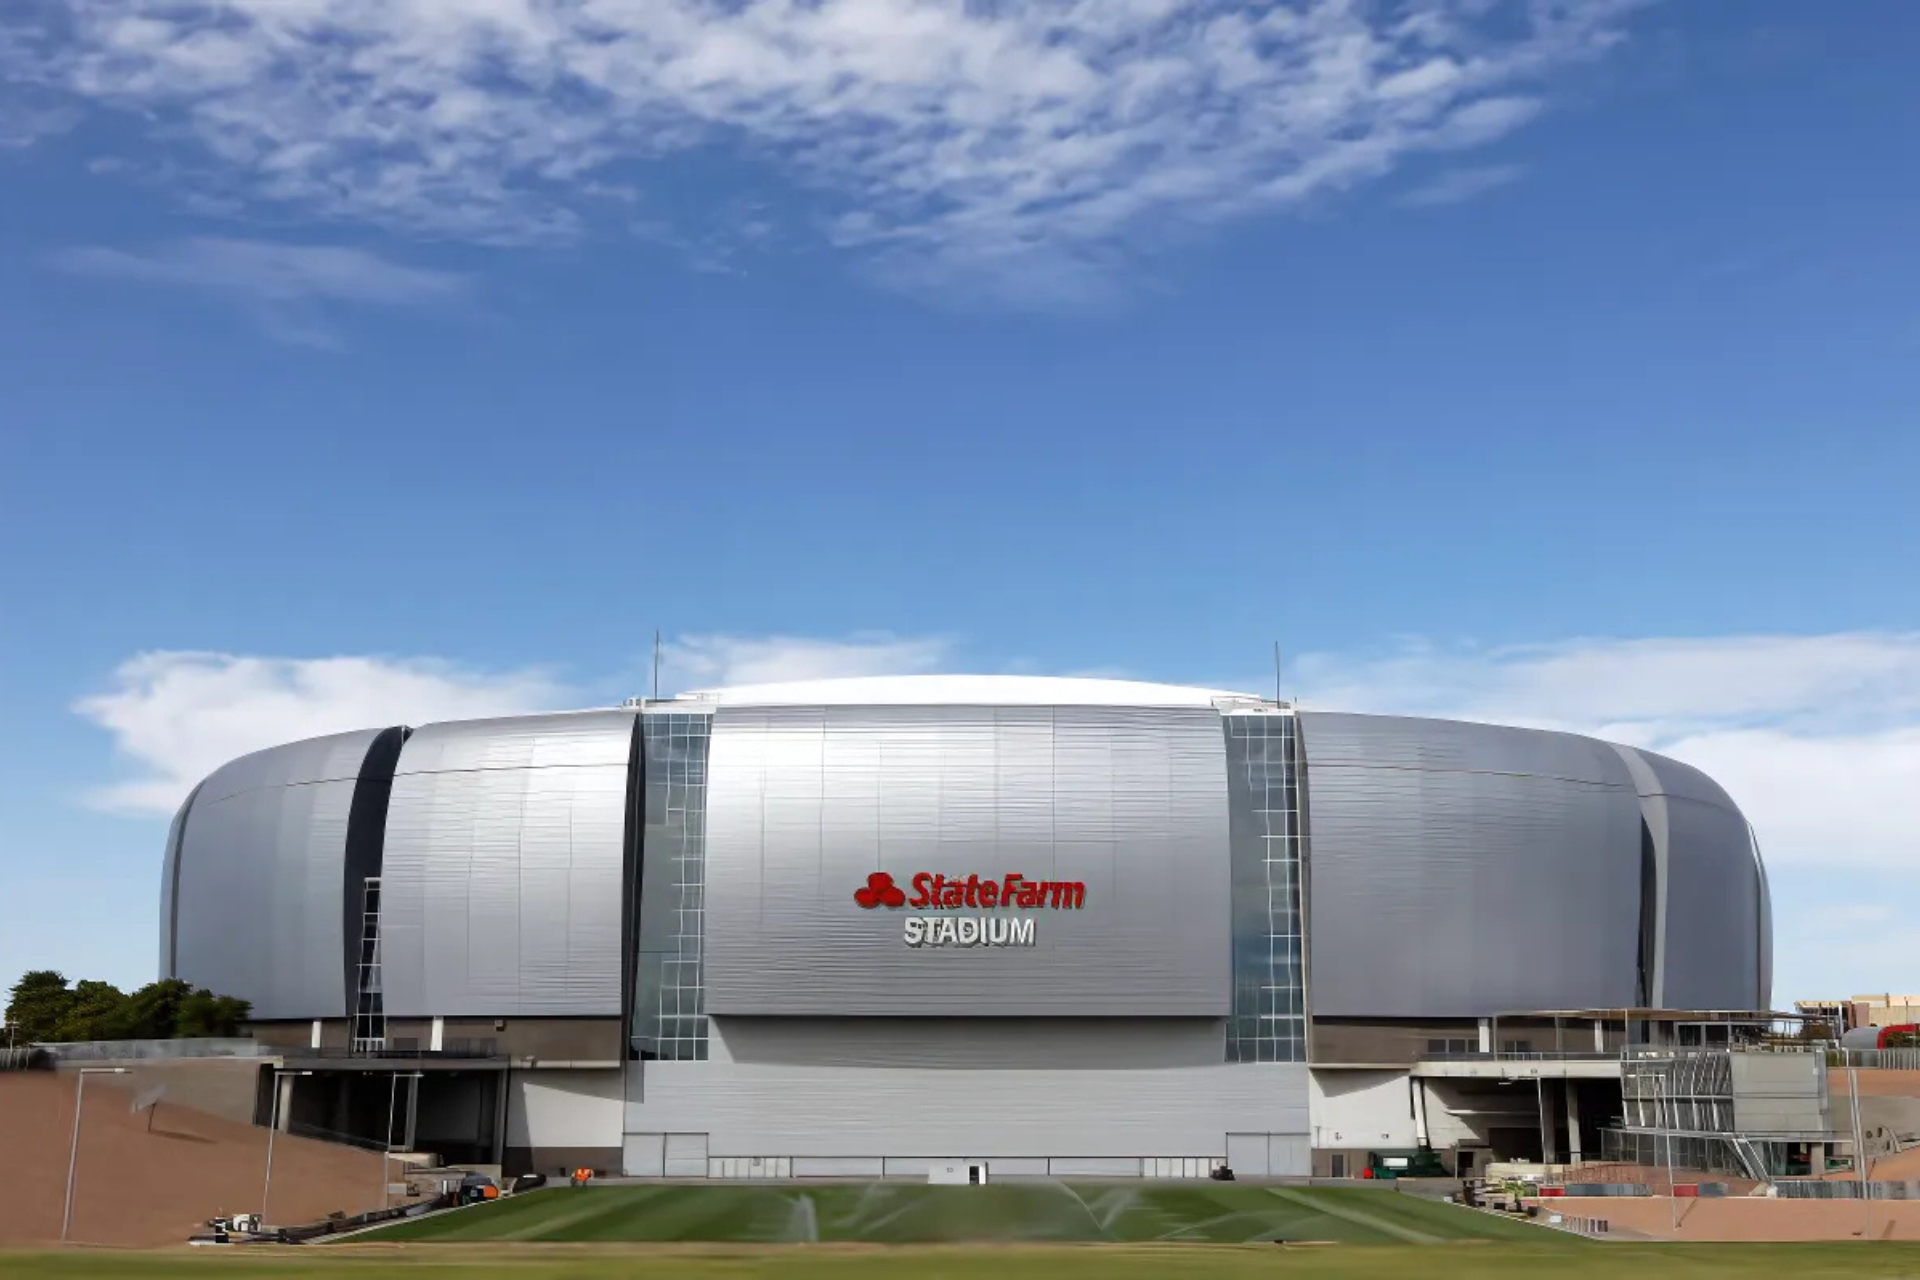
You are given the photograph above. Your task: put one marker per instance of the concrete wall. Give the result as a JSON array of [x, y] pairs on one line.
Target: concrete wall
[[229, 1088], [1362, 1109], [558, 1121], [795, 1092], [1780, 1093]]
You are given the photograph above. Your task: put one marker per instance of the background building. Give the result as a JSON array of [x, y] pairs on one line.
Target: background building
[[632, 938]]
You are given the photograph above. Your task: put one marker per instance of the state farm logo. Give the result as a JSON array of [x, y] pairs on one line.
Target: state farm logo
[[933, 892], [881, 891]]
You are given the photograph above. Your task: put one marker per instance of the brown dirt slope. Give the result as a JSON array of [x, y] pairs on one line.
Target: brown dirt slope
[[1748, 1219], [139, 1188]]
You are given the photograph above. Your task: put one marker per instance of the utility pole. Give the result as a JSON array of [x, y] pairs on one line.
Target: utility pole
[[1662, 1113], [273, 1127], [73, 1151], [1860, 1156]]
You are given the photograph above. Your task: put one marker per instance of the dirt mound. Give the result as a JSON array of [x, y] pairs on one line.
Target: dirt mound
[[135, 1187], [1750, 1219]]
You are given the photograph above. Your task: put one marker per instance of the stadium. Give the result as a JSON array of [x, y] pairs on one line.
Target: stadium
[[1019, 926]]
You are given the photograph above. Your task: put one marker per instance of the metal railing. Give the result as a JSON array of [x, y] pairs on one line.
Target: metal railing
[[1521, 1055], [1847, 1190], [1886, 1059], [463, 1049], [141, 1050]]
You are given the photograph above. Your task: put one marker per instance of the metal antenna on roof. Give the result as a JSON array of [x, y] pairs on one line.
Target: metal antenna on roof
[[656, 665], [1276, 671]]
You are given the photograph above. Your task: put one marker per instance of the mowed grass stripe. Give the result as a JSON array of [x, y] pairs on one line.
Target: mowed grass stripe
[[1503, 1260], [1007, 1213]]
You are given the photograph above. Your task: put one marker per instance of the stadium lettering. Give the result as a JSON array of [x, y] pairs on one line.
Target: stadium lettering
[[937, 892], [967, 931]]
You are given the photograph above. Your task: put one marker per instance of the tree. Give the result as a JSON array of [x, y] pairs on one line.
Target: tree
[[38, 1005], [97, 1012], [202, 1013], [153, 1012]]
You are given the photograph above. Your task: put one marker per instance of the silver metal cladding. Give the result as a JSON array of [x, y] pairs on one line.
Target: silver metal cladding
[[260, 870], [1717, 940], [808, 805], [502, 885], [1462, 870]]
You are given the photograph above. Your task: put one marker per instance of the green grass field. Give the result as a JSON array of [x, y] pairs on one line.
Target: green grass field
[[1494, 1260], [1007, 1213]]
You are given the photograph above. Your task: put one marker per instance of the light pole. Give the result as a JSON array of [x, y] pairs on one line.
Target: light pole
[[1661, 1110], [273, 1127], [1860, 1155], [73, 1152], [393, 1099]]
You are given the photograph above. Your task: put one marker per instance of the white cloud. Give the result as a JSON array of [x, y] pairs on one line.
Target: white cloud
[[948, 139], [1457, 186], [715, 660], [176, 717], [287, 286], [1817, 738]]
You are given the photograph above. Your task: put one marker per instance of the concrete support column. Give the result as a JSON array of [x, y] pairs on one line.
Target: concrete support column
[[1486, 1035], [413, 1112], [501, 1099], [1549, 1150], [1573, 1123], [286, 1103]]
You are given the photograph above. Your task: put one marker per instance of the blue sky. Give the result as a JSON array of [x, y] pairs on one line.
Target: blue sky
[[374, 363]]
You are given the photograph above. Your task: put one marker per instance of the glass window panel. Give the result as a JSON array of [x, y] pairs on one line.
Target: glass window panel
[[1268, 1022]]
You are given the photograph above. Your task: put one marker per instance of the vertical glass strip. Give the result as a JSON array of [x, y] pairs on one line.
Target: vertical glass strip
[[669, 1004], [1268, 1022]]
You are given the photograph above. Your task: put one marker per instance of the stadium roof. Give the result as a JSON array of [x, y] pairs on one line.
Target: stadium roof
[[964, 690]]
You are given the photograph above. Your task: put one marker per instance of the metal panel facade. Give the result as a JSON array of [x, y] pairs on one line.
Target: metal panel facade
[[1463, 870], [502, 885], [1717, 921], [754, 1109], [261, 872], [170, 883], [959, 1044], [804, 803]]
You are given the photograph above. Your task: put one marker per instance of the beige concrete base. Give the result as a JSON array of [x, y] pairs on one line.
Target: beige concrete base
[[1744, 1218]]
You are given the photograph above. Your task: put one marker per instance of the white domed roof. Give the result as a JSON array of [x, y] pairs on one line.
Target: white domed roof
[[963, 690]]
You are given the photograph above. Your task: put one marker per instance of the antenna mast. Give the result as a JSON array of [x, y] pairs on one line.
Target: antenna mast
[[1276, 671], [656, 666]]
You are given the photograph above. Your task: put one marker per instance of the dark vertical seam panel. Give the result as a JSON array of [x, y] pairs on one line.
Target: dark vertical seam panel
[[631, 853], [365, 849], [176, 855]]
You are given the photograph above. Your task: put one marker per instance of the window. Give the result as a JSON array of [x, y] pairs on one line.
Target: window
[[1268, 1023], [669, 1002]]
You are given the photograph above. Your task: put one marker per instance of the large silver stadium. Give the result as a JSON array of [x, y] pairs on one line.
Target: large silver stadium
[[1027, 926]]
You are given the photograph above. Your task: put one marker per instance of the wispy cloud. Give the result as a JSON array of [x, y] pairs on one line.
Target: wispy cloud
[[718, 660], [1457, 186], [946, 140], [174, 717], [289, 287]]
